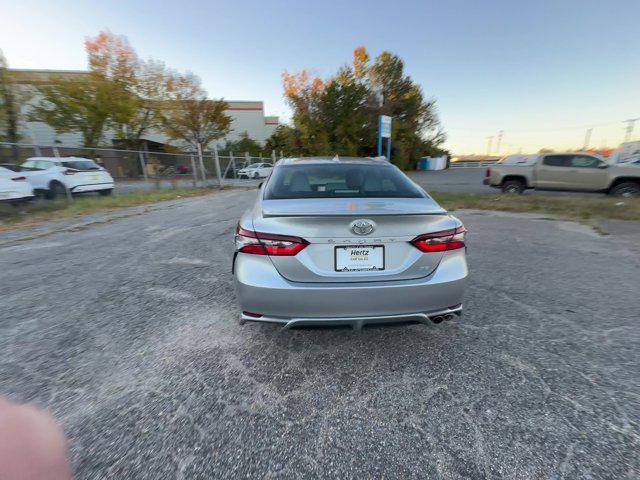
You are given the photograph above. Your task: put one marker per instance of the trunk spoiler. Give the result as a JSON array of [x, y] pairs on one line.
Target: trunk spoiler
[[324, 207]]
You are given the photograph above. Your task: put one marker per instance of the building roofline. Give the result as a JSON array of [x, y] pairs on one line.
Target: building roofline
[[45, 70]]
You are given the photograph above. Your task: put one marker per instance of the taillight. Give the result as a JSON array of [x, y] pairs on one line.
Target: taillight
[[488, 172], [441, 241], [260, 243], [70, 171], [19, 179]]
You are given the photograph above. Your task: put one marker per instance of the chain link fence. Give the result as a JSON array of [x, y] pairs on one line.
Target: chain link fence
[[142, 169]]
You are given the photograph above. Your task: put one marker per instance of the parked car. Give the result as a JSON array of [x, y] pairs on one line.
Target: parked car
[[255, 170], [11, 166], [566, 171], [14, 187], [347, 241], [53, 176]]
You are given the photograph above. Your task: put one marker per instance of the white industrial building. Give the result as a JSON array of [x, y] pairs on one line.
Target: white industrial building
[[246, 116]]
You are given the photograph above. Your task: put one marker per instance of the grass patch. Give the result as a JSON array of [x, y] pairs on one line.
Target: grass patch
[[572, 207], [44, 210]]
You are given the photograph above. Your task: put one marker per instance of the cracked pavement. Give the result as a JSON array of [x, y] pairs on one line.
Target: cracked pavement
[[127, 333]]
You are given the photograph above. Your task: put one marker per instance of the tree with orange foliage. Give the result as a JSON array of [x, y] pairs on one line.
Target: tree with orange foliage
[[121, 92], [193, 118], [89, 104], [339, 115]]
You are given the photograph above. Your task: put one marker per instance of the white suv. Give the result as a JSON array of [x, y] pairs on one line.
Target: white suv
[[14, 187], [54, 175]]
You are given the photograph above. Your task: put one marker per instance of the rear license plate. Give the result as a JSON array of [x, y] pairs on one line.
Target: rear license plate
[[359, 258]]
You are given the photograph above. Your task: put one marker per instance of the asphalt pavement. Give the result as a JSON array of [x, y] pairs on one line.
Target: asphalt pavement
[[127, 332], [467, 180]]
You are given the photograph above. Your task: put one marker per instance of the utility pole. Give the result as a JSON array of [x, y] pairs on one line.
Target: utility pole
[[587, 138], [629, 130], [201, 162], [500, 133], [489, 143], [216, 159]]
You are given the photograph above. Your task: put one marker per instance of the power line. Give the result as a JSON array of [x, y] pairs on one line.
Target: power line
[[546, 129], [499, 141], [629, 130], [587, 138]]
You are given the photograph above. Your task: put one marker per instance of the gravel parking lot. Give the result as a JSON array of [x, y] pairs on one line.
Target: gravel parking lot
[[127, 332]]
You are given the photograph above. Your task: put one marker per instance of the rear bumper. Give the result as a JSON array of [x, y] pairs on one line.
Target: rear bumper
[[359, 322], [91, 187], [262, 290]]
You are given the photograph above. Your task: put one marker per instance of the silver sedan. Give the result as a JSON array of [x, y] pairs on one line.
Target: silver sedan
[[347, 241]]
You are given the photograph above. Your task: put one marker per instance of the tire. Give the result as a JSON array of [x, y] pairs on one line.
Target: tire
[[256, 175], [55, 189], [513, 186], [106, 192], [626, 189]]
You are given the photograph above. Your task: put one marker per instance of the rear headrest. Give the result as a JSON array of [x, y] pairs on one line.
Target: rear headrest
[[372, 183], [299, 183]]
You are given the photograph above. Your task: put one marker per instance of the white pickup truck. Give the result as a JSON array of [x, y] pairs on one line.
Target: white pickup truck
[[578, 172]]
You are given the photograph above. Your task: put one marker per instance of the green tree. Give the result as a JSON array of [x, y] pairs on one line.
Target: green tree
[[82, 104], [282, 140], [339, 115], [150, 93], [90, 103], [120, 92], [11, 102], [244, 144], [416, 130]]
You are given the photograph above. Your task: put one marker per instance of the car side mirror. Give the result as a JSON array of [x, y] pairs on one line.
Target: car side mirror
[[603, 165]]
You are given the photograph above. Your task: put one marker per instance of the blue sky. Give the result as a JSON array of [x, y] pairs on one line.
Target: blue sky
[[541, 71]]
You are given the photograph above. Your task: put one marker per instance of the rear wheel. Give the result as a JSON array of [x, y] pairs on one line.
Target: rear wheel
[[106, 192], [56, 189], [626, 189], [513, 186], [256, 175]]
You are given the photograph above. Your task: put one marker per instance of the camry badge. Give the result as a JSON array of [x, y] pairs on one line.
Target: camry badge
[[362, 226]]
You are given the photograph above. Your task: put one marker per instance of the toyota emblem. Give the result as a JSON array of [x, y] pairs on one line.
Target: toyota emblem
[[362, 227]]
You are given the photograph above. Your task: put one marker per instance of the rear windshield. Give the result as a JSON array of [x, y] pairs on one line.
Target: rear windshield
[[81, 165], [339, 181]]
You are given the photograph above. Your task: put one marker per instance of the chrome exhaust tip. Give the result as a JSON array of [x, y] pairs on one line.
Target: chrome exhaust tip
[[437, 319]]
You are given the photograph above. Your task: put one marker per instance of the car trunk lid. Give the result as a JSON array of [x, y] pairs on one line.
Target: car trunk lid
[[327, 225]]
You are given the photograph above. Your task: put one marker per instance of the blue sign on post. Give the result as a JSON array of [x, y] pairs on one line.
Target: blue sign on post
[[384, 131]]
